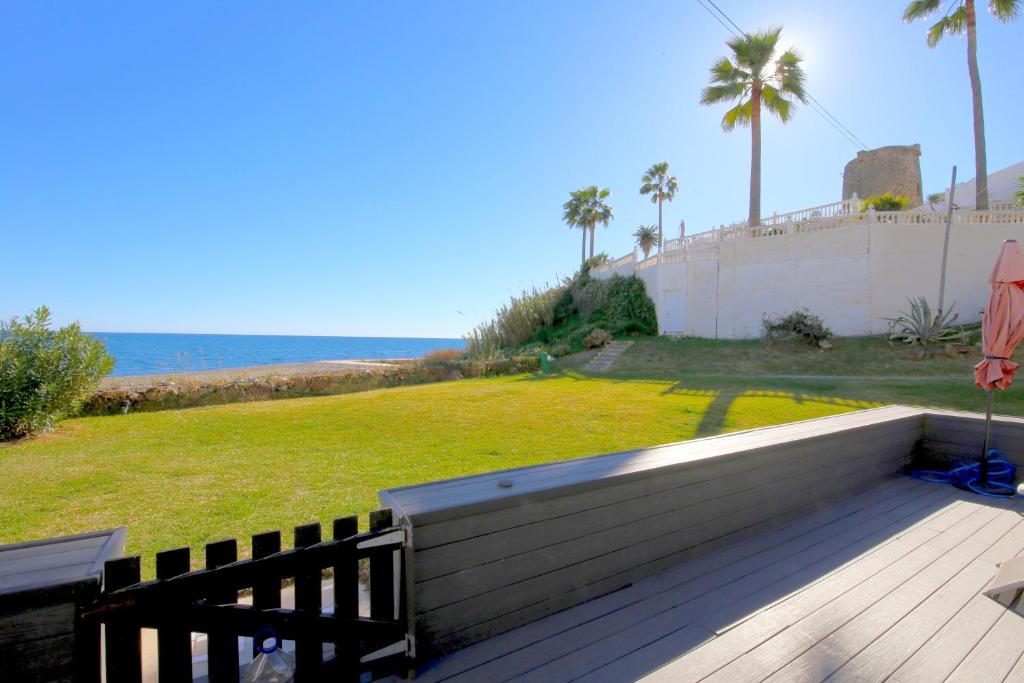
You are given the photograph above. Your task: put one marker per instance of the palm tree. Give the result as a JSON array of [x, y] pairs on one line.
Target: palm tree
[[935, 198], [747, 80], [955, 22], [1018, 195], [586, 208], [647, 236], [662, 187], [572, 214]]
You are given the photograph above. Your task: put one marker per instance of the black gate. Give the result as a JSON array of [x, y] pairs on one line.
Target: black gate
[[331, 641]]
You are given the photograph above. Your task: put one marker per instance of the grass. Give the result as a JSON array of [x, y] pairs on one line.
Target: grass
[[192, 476]]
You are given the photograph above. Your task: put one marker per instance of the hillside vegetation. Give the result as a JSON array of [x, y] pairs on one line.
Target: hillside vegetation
[[560, 319]]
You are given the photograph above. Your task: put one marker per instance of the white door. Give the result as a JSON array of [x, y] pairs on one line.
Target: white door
[[670, 317]]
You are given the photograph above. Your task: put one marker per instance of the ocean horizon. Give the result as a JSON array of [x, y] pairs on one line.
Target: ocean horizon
[[149, 353]]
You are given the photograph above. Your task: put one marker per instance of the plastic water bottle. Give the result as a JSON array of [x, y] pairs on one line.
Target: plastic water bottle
[[272, 664]]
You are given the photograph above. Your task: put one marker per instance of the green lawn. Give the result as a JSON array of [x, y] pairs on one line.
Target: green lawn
[[190, 476]]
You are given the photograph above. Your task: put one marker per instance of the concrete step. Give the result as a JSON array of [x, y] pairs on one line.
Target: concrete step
[[607, 356]]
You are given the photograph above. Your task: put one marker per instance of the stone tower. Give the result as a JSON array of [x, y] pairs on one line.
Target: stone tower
[[895, 169]]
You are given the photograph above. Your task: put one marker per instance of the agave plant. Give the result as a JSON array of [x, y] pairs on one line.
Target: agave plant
[[923, 327]]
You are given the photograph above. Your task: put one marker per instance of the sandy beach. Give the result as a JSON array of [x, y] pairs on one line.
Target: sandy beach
[[324, 367]]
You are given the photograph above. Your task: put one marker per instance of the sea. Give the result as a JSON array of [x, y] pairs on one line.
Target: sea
[[139, 353]]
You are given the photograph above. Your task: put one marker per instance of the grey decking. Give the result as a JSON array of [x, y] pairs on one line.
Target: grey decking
[[885, 584], [496, 551]]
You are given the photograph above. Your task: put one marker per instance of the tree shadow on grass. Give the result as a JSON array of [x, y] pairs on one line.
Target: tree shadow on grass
[[723, 393]]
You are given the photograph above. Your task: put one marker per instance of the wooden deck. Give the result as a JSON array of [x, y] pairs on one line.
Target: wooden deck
[[886, 584]]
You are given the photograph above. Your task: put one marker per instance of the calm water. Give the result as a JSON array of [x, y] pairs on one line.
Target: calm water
[[143, 354]]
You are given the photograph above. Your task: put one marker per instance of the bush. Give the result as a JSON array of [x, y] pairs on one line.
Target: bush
[[443, 355], [800, 324], [886, 202], [597, 338], [627, 307], [559, 350], [590, 297], [45, 375], [923, 328], [515, 323]]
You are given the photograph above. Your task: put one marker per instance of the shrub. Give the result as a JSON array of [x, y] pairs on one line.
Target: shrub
[[443, 355], [801, 324], [44, 374], [559, 350], [590, 297], [597, 338], [627, 307], [515, 323], [886, 202], [923, 328]]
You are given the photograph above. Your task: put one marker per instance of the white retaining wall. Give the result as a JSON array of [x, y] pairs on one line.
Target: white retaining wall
[[854, 272]]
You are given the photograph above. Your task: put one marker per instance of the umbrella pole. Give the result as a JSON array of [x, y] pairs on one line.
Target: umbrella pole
[[983, 474]]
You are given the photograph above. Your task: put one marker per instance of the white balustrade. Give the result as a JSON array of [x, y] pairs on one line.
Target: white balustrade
[[825, 217]]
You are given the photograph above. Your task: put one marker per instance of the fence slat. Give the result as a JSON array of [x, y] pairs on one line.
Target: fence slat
[[174, 645], [308, 650], [124, 643], [382, 583], [346, 598], [222, 646], [382, 572], [266, 592]]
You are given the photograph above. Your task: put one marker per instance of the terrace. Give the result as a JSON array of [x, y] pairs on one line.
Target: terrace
[[795, 552], [789, 552]]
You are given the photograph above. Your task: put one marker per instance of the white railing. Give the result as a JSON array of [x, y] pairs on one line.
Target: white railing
[[615, 264], [825, 217], [937, 218], [1005, 206], [833, 210]]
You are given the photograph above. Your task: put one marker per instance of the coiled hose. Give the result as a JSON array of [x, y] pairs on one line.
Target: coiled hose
[[968, 475]]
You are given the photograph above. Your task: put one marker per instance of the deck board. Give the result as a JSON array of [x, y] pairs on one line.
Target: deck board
[[883, 585]]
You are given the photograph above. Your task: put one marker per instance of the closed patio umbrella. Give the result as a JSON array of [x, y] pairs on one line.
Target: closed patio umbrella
[[1002, 329]]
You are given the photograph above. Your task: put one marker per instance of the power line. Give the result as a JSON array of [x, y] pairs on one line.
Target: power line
[[815, 106], [716, 18], [727, 17], [839, 123]]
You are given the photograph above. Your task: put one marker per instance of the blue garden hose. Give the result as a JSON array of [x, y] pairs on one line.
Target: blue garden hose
[[967, 476]]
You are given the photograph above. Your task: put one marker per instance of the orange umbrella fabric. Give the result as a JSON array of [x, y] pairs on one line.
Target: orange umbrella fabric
[[1002, 326]]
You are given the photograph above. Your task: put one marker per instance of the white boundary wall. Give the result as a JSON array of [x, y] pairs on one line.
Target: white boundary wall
[[853, 270]]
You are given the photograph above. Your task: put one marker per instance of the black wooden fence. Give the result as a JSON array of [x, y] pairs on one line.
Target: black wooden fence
[[180, 602]]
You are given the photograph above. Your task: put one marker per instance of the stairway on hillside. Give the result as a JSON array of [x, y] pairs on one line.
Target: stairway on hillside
[[607, 357]]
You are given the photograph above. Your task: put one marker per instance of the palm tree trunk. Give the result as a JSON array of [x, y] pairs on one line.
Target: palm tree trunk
[[593, 229], [583, 246], [661, 241], [754, 216], [980, 162]]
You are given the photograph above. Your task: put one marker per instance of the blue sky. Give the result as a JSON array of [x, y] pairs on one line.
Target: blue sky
[[399, 168]]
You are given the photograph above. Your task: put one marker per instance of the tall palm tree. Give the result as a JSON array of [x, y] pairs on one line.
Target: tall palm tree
[[586, 208], [572, 214], [748, 79], [647, 236], [662, 187], [959, 18]]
